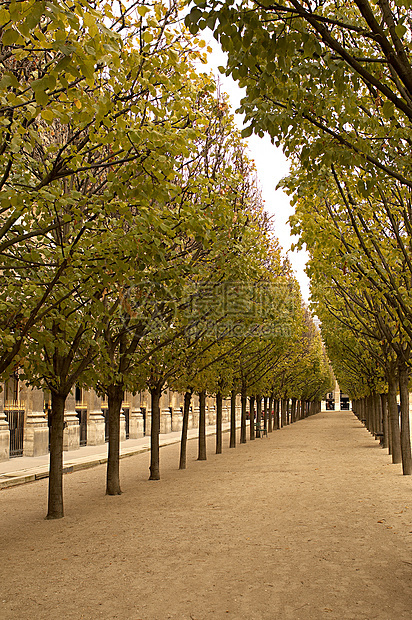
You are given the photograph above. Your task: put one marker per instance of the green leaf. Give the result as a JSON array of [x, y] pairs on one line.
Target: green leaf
[[147, 36], [40, 84], [10, 37], [400, 30], [47, 115], [42, 98], [9, 79], [193, 17], [87, 69], [388, 109], [247, 131]]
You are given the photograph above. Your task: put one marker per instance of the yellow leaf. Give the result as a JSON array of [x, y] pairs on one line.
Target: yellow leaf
[[78, 104]]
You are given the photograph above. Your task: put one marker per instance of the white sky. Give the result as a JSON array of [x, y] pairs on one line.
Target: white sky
[[271, 165]]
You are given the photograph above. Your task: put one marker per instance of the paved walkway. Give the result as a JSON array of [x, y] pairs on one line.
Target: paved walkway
[[21, 470], [312, 522]]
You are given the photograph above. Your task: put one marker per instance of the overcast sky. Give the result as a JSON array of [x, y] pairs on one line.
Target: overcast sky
[[271, 166]]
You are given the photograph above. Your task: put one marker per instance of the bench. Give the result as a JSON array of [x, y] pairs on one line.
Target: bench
[[261, 429]]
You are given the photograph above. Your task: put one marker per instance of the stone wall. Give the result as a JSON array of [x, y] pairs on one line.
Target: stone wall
[[36, 427]]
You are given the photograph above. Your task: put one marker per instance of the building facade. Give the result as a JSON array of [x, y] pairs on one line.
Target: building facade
[[336, 400], [24, 418]]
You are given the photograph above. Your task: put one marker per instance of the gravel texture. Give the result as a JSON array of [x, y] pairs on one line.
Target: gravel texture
[[312, 522]]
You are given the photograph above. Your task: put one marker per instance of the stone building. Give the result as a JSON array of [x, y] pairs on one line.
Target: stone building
[[24, 428], [336, 400]]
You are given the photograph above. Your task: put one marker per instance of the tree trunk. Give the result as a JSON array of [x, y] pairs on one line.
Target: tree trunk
[[394, 420], [385, 425], [155, 394], [276, 415], [373, 416], [232, 419], [405, 427], [258, 414], [114, 401], [265, 413], [185, 426], [243, 400], [270, 415], [202, 427], [367, 413], [252, 418], [379, 420], [293, 411], [283, 411], [55, 502], [219, 400], [372, 421], [363, 414]]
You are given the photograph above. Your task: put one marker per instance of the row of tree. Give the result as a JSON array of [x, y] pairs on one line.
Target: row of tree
[[135, 251], [332, 83]]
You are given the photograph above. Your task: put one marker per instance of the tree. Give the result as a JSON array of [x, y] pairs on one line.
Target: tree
[[90, 167], [50, 56], [345, 227], [330, 82], [198, 206]]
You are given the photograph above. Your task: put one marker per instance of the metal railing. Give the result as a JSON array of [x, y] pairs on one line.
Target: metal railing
[[15, 411]]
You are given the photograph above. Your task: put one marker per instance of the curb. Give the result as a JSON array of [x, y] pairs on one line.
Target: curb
[[13, 481], [8, 480]]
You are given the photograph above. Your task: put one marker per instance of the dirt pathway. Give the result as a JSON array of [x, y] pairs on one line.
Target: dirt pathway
[[311, 523]]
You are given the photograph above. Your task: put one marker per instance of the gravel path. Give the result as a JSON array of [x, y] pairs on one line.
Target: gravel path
[[312, 522]]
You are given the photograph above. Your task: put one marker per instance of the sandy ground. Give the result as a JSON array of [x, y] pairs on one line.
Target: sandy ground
[[312, 522]]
